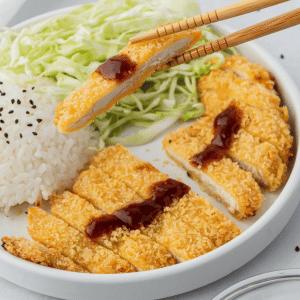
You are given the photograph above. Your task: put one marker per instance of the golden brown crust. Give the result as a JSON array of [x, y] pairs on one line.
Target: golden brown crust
[[81, 101], [261, 158], [260, 123], [225, 174], [254, 72], [56, 233], [39, 254], [103, 191], [133, 246], [120, 164], [202, 215], [230, 86]]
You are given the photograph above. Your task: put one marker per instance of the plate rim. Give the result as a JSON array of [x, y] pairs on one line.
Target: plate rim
[[285, 195]]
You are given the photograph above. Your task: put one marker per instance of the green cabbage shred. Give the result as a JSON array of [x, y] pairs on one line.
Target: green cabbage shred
[[69, 47]]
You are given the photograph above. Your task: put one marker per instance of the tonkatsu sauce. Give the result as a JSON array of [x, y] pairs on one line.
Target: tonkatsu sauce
[[136, 215], [119, 68], [226, 125]]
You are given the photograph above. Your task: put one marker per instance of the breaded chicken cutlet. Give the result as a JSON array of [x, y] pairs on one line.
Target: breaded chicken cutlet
[[244, 123], [261, 159], [230, 83], [222, 178], [146, 218], [260, 123], [56, 233], [191, 209], [133, 246], [118, 77], [39, 254]]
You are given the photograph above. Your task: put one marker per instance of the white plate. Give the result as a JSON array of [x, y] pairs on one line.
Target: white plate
[[259, 230], [277, 285]]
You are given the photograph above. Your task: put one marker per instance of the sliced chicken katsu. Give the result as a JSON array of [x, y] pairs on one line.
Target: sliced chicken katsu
[[228, 85], [260, 123], [221, 177], [133, 246], [183, 241], [254, 72], [56, 233], [260, 158], [39, 254], [118, 77], [213, 225]]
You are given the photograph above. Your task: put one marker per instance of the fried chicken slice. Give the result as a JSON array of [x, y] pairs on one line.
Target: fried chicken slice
[[260, 123], [254, 72], [120, 76], [228, 85], [223, 179], [181, 240], [56, 233], [39, 254], [260, 158], [217, 227], [133, 246]]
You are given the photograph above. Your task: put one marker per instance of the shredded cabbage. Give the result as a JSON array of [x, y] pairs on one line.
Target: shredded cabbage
[[67, 48]]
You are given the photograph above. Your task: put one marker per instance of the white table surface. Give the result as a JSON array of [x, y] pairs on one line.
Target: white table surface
[[280, 254]]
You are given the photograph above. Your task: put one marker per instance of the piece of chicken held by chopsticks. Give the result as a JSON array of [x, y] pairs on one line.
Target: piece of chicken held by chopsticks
[[119, 76]]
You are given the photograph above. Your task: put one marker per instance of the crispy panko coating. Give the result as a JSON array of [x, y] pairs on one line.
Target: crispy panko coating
[[103, 191], [260, 158], [56, 233], [202, 215], [207, 228], [39, 254], [222, 179], [133, 246], [228, 85], [124, 165], [260, 123], [254, 72], [120, 164], [99, 94]]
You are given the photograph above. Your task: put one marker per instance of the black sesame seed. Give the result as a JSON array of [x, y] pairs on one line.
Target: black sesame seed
[[6, 135], [21, 135], [12, 101], [1, 82], [2, 121], [31, 102], [39, 120], [19, 101], [7, 142], [281, 56], [0, 115], [24, 91], [297, 249], [0, 129], [27, 112], [1, 108], [29, 125], [32, 88], [34, 133], [33, 106], [3, 94], [16, 121], [11, 112]]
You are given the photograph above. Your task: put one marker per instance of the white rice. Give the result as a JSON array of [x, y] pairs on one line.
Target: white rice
[[43, 161]]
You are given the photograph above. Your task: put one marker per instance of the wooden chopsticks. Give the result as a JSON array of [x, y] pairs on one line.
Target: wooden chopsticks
[[227, 12], [278, 23]]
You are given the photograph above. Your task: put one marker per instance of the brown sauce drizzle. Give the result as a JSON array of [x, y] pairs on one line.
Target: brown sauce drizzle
[[226, 125], [136, 215], [119, 68]]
